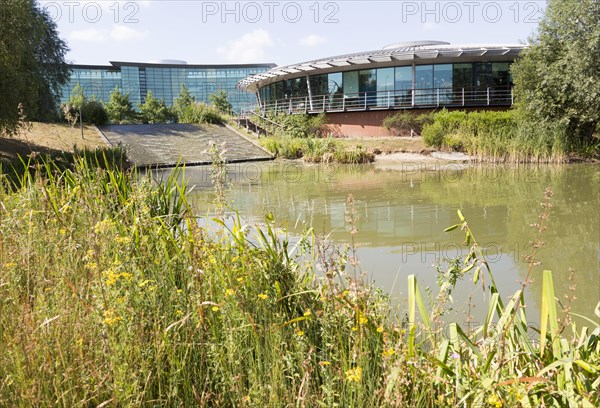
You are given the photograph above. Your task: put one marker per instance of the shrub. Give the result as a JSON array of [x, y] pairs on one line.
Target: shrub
[[199, 112], [402, 122], [94, 112]]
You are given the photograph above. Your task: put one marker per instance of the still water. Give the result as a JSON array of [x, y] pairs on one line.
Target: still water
[[403, 211]]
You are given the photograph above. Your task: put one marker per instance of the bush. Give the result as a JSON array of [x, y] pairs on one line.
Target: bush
[[94, 112], [199, 112], [402, 122]]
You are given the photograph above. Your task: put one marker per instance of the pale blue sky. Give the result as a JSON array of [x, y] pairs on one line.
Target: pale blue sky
[[282, 32]]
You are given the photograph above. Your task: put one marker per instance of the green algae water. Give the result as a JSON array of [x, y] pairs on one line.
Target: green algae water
[[402, 211]]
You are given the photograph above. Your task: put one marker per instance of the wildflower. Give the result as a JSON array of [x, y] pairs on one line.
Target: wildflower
[[494, 401], [362, 319], [179, 290], [111, 317], [179, 312], [215, 308], [229, 292], [307, 313], [346, 293], [91, 265], [389, 352], [324, 363], [354, 375], [10, 265], [126, 275], [455, 355], [103, 226], [380, 329], [354, 328], [62, 231], [299, 332], [145, 283], [240, 279], [122, 240], [263, 296]]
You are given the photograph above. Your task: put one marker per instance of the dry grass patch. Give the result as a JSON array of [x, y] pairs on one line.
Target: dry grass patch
[[48, 137]]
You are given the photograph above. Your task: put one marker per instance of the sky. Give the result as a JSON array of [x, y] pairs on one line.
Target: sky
[[280, 32]]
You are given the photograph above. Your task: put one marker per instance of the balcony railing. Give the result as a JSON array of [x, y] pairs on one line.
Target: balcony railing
[[393, 99]]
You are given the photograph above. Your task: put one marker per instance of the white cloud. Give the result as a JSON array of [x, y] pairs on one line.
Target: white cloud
[[312, 40], [250, 47], [124, 33], [118, 33], [428, 26], [91, 35]]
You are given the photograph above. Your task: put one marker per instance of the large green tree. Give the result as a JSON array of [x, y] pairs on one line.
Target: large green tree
[[32, 62], [557, 79], [154, 110], [183, 101], [119, 106]]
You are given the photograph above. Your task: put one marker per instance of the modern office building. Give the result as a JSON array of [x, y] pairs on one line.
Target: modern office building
[[357, 91], [164, 79]]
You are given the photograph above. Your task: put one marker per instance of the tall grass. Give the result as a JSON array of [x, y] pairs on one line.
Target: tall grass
[[503, 137], [316, 150], [111, 294]]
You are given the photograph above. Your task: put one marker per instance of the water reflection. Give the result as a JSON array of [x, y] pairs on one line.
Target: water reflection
[[402, 215]]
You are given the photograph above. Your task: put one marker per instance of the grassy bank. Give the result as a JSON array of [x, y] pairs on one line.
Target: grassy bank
[[317, 150], [491, 136], [110, 293]]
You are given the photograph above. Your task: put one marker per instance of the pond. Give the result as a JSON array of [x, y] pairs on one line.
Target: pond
[[402, 212]]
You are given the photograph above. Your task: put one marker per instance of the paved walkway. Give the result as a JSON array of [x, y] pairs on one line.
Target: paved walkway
[[164, 145]]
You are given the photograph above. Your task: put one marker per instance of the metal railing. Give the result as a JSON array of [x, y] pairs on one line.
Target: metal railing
[[381, 100]]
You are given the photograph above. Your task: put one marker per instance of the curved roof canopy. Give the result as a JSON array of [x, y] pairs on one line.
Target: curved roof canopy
[[422, 52]]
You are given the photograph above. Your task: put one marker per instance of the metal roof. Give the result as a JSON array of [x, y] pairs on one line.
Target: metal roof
[[391, 55]]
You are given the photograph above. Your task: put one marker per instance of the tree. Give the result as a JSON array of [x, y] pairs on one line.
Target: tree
[[32, 63], [220, 101], [183, 101], [557, 79], [154, 110], [119, 107]]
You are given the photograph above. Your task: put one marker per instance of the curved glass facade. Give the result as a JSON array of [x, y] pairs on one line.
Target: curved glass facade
[[164, 80], [427, 84]]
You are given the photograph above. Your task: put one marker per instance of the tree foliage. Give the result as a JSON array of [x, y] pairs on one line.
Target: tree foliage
[[183, 101], [557, 79], [220, 101], [32, 62], [154, 110], [119, 106]]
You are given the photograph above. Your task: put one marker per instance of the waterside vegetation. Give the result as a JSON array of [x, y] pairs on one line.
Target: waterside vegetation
[[111, 293]]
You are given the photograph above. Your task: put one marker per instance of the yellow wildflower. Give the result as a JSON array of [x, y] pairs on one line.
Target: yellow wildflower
[[62, 231], [389, 352], [229, 292], [380, 329], [307, 313], [240, 279], [179, 312], [263, 296], [91, 265], [346, 293], [354, 328], [122, 240], [494, 401], [362, 319], [324, 363], [354, 375], [299, 332], [10, 265], [111, 317], [215, 308]]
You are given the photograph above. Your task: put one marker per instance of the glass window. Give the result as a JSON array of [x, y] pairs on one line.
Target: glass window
[[424, 93], [350, 80], [385, 86], [367, 86]]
